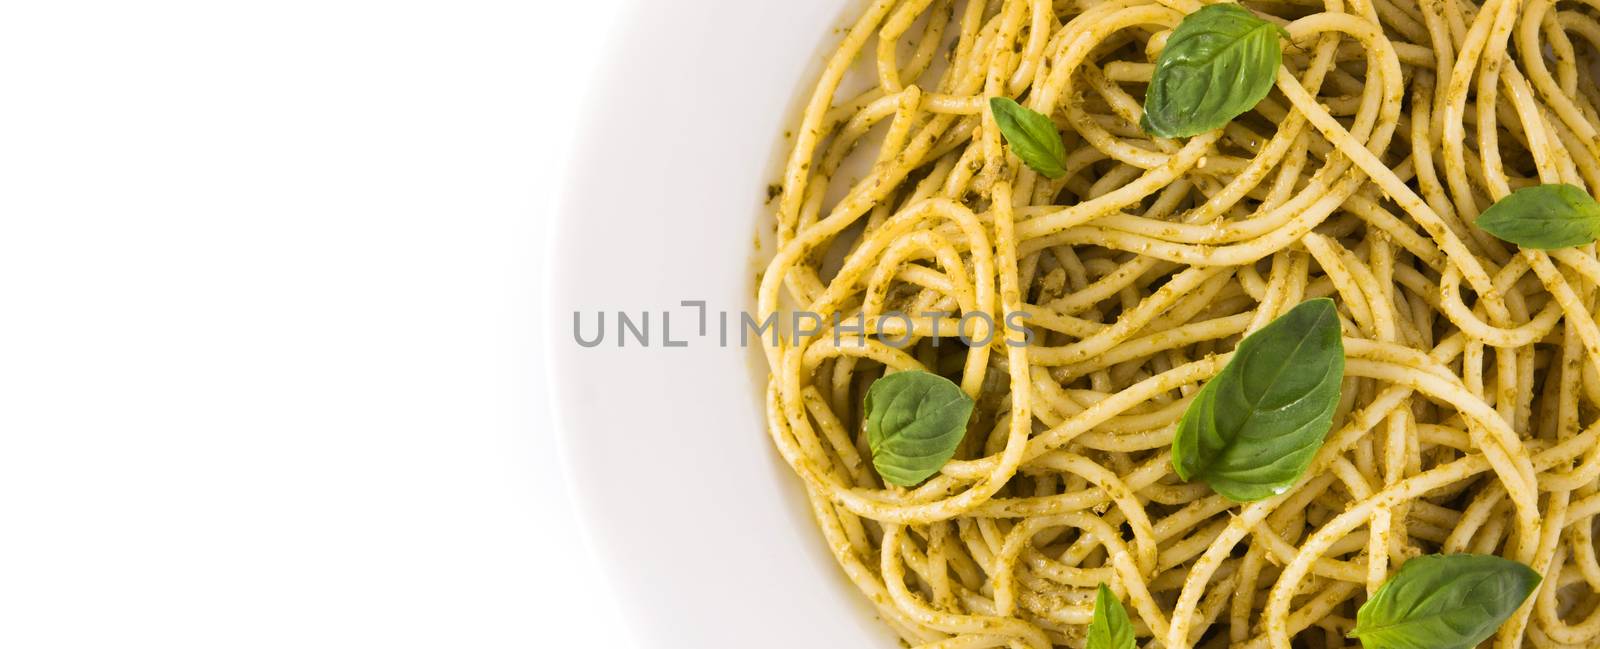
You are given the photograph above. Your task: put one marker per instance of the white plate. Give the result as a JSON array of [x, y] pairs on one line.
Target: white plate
[[705, 534]]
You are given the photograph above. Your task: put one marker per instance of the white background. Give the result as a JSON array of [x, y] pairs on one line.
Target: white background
[[270, 284]]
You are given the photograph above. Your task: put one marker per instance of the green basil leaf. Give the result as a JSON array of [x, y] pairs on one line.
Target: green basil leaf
[[1544, 217], [1110, 628], [1032, 136], [1444, 601], [1218, 64], [914, 422], [1253, 428]]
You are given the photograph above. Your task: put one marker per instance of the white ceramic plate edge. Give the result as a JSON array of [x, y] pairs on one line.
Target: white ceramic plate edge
[[729, 556]]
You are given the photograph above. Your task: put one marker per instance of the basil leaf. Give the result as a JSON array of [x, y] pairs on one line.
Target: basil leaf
[[1110, 628], [1218, 63], [1032, 136], [1544, 217], [914, 422], [1253, 428], [1444, 601]]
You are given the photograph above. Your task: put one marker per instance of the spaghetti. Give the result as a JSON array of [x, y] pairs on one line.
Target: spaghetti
[[1470, 408]]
